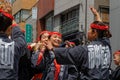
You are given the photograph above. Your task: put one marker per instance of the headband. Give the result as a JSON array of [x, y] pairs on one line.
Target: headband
[[96, 26], [117, 52], [57, 33], [6, 14]]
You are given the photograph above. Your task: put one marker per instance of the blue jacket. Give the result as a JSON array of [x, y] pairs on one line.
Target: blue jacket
[[94, 59], [10, 52]]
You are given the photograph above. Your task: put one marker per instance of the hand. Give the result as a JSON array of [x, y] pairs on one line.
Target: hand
[[94, 11], [33, 45], [69, 44], [49, 45], [96, 14], [40, 46]]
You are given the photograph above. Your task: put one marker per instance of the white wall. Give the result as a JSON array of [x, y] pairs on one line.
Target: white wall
[[62, 5]]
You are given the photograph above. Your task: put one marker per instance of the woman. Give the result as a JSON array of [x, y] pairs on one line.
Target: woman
[[37, 55], [57, 71]]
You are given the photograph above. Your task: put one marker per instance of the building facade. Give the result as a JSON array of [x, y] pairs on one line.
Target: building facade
[[72, 17], [115, 24], [45, 15], [22, 10]]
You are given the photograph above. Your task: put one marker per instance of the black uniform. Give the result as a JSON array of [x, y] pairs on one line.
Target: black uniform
[[94, 59], [25, 71], [10, 52], [116, 74], [47, 67]]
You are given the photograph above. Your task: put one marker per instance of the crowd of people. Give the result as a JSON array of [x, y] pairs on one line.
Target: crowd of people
[[45, 59]]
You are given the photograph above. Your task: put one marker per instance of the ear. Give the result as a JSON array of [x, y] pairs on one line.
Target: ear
[[8, 31], [95, 34]]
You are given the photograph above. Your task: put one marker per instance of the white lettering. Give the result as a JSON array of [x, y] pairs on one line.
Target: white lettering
[[6, 55], [99, 56]]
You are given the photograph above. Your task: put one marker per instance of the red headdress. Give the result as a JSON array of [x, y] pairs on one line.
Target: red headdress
[[96, 26], [6, 14], [57, 33], [117, 52]]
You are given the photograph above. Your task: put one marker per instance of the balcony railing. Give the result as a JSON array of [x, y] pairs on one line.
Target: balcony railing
[[70, 26]]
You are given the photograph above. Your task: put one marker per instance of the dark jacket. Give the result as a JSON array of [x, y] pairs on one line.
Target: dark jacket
[[11, 51], [94, 59], [47, 67], [116, 74], [25, 71]]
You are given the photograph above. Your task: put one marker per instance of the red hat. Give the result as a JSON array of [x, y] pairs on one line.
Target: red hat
[[6, 14], [117, 52], [96, 26], [57, 33]]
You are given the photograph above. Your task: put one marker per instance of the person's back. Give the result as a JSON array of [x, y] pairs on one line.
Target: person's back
[[10, 49], [99, 57]]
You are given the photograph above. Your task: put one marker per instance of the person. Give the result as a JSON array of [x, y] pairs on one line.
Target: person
[[11, 49], [94, 58], [57, 71], [25, 71], [116, 73], [52, 70], [37, 55]]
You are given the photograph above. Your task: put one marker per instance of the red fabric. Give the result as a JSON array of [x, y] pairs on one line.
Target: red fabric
[[23, 30], [57, 70], [7, 14], [117, 52], [99, 27], [40, 56], [72, 43], [37, 76], [45, 32], [29, 47], [57, 33]]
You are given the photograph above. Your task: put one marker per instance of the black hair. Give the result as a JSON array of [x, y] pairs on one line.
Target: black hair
[[5, 22], [102, 33]]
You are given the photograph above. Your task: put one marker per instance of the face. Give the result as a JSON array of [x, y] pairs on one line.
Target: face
[[91, 35], [117, 59], [55, 40], [44, 37]]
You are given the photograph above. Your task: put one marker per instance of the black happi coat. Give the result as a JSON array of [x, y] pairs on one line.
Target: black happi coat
[[94, 59], [116, 74]]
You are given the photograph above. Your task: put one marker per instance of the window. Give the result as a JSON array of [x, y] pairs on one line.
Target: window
[[22, 15], [12, 1], [17, 17], [104, 13], [70, 21], [49, 22]]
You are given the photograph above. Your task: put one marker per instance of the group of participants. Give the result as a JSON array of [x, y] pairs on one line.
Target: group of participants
[[47, 60]]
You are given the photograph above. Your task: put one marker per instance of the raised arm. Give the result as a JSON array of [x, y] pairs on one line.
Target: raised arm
[[96, 14]]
